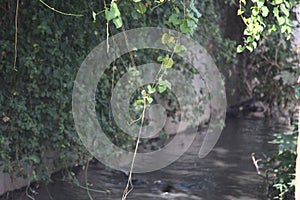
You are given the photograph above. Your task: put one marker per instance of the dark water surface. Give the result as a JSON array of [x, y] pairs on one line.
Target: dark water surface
[[227, 173]]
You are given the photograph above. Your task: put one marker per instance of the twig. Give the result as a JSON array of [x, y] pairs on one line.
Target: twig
[[129, 186], [127, 45], [255, 163], [16, 35], [86, 180], [26, 191], [60, 12]]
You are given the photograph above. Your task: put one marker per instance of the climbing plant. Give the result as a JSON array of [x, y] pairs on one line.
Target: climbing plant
[[51, 40], [263, 18]]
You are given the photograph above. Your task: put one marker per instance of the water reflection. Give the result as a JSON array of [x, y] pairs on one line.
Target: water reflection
[[227, 173]]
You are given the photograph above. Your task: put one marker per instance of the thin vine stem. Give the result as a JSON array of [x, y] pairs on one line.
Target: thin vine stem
[[86, 180], [16, 35], [129, 186], [60, 12]]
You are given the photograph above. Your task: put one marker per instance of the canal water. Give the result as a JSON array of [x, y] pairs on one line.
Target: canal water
[[227, 173]]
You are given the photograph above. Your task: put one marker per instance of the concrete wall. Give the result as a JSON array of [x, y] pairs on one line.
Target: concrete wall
[[10, 183], [7, 183]]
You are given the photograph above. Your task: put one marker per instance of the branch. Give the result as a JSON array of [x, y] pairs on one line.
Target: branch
[[255, 163]]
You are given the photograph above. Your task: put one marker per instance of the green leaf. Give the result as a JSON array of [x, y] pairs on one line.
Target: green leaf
[[139, 102], [276, 11], [272, 28], [174, 19], [180, 48], [94, 16], [283, 28], [250, 47], [195, 10], [160, 58], [115, 9], [284, 10], [144, 93], [249, 39], [278, 2], [287, 4], [184, 27], [35, 159], [191, 23], [255, 11], [164, 83], [240, 12], [254, 44], [140, 7], [280, 20], [264, 11], [151, 90], [149, 100], [161, 88], [118, 22], [113, 12], [247, 31], [109, 15], [240, 49], [168, 62], [260, 3]]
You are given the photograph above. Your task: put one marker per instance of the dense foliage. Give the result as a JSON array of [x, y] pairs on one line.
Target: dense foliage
[[282, 164], [53, 40]]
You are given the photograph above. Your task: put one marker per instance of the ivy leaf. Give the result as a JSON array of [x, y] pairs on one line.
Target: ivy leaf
[[255, 11], [260, 3], [168, 62], [115, 9], [144, 93], [284, 10], [149, 100], [118, 22], [180, 48], [164, 38], [113, 12], [140, 7], [109, 15], [191, 23], [281, 20], [276, 12], [250, 47], [174, 19], [165, 83], [139, 102], [195, 10], [272, 28], [240, 12], [264, 11], [240, 49], [278, 2], [161, 88], [254, 44], [35, 159], [94, 16], [184, 27], [151, 90]]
